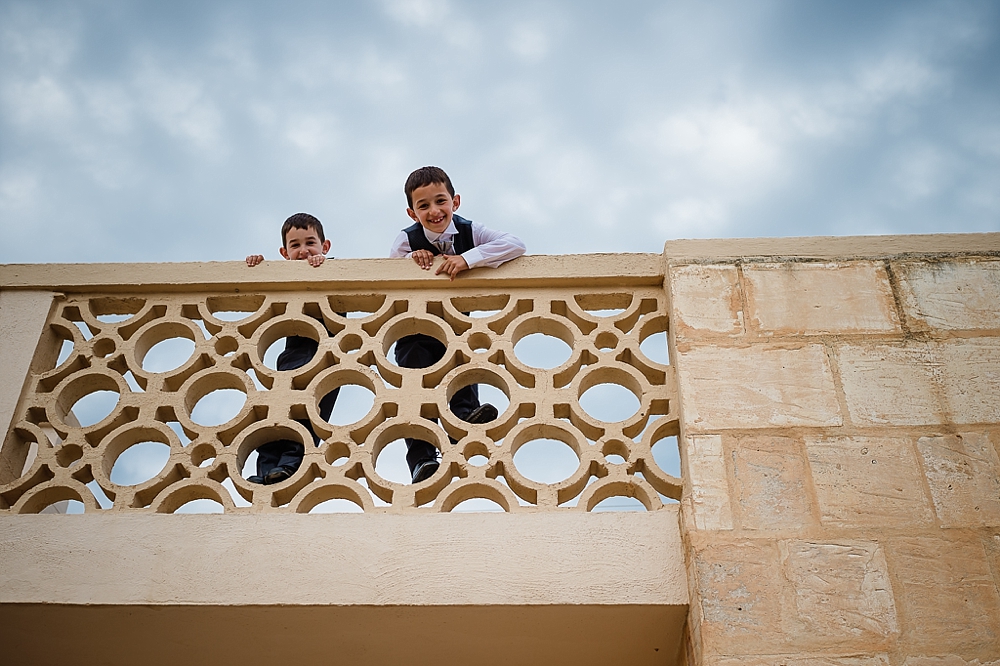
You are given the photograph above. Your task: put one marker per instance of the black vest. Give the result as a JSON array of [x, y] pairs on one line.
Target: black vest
[[463, 240]]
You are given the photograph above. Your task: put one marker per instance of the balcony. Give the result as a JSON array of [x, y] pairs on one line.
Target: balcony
[[125, 402], [826, 417]]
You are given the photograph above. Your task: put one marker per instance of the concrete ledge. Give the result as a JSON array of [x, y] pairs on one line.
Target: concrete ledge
[[590, 270], [553, 587], [344, 559], [832, 247]]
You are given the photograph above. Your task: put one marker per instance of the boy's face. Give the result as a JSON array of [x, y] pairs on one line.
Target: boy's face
[[303, 243], [433, 207]]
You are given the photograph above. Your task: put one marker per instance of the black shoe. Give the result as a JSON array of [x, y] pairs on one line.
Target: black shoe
[[425, 470], [255, 479], [482, 414], [278, 474]]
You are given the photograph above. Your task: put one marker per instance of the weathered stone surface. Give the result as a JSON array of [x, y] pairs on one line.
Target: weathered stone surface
[[991, 542], [951, 295], [842, 593], [756, 387], [887, 384], [813, 298], [947, 660], [868, 481], [946, 596], [709, 484], [964, 475], [797, 598], [705, 299], [769, 475], [971, 378], [742, 594], [801, 660]]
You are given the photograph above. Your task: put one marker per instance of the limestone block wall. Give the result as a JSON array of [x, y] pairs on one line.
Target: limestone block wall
[[840, 413]]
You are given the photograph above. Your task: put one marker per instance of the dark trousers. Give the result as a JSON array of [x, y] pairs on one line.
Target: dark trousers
[[286, 452], [422, 351]]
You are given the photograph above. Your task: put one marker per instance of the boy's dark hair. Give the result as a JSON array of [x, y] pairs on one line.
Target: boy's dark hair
[[302, 221], [428, 175]]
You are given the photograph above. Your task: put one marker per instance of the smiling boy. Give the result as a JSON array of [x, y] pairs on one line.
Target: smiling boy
[[303, 240], [437, 230]]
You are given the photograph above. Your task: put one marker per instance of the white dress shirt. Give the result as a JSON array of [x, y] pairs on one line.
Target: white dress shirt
[[492, 248]]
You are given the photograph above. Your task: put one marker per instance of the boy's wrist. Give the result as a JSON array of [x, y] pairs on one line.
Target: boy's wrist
[[473, 257]]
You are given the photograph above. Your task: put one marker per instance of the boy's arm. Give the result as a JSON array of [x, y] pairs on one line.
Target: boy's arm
[[254, 259], [400, 246], [493, 248]]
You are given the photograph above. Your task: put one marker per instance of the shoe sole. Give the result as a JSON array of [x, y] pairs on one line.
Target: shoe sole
[[423, 475], [482, 414]]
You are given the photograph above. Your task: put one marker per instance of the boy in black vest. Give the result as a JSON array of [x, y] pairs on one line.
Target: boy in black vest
[[432, 202], [302, 239]]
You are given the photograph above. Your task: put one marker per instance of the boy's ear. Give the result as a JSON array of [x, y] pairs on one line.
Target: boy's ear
[[284, 253], [413, 216], [326, 246], [456, 202]]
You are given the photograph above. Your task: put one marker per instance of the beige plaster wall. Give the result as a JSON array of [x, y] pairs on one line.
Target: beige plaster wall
[[840, 421]]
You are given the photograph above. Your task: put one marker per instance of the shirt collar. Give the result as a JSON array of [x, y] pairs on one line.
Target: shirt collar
[[447, 233]]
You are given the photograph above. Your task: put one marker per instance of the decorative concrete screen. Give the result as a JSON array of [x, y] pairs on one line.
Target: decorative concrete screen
[[50, 457]]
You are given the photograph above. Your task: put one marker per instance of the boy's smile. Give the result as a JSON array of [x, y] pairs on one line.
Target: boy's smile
[[303, 243], [433, 207]]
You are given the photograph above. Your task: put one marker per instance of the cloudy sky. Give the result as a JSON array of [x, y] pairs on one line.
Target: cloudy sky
[[150, 131]]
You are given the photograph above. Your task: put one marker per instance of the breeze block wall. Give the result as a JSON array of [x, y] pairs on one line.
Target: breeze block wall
[[840, 417]]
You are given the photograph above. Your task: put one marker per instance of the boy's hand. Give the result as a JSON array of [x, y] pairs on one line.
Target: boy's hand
[[316, 259], [254, 259], [424, 258], [452, 265]]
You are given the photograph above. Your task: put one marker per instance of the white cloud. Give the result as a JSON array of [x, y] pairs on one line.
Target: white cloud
[[18, 191], [179, 104], [529, 42], [313, 134], [692, 218], [919, 173], [38, 103], [417, 12]]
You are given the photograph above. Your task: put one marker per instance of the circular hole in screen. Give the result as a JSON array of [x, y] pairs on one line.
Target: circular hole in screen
[[542, 351], [609, 402], [546, 460], [140, 463], [168, 355]]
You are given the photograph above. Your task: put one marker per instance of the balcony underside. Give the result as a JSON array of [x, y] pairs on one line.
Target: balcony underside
[[555, 587], [170, 635]]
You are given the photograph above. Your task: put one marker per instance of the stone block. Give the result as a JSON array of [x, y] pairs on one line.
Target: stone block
[[769, 476], [868, 482], [970, 375], [705, 299], [743, 596], [964, 476], [947, 660], [709, 485], [946, 596], [890, 384], [991, 542], [798, 598], [814, 298], [843, 597], [756, 387], [950, 295], [802, 660]]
